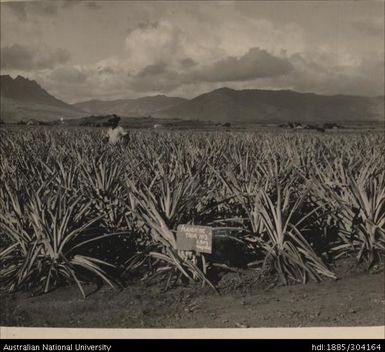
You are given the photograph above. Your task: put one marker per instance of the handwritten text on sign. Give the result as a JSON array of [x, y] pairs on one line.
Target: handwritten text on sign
[[194, 238]]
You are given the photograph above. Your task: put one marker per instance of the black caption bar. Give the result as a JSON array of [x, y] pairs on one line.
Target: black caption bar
[[183, 345]]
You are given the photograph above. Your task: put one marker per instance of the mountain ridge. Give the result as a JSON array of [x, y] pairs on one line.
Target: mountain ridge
[[259, 105], [143, 106], [24, 99]]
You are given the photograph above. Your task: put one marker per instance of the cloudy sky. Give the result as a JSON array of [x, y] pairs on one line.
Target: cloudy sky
[[80, 50]]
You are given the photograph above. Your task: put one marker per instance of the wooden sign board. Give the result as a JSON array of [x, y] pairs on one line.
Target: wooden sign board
[[194, 238]]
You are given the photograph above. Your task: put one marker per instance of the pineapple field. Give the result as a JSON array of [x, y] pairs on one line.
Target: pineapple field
[[293, 214]]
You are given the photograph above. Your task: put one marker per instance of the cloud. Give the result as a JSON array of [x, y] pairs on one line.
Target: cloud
[[20, 57], [164, 55], [23, 9], [154, 69], [106, 70], [153, 42], [190, 48], [93, 5], [68, 75], [188, 63], [44, 8], [313, 72], [17, 8], [165, 82], [256, 63], [74, 83], [317, 74], [370, 26]]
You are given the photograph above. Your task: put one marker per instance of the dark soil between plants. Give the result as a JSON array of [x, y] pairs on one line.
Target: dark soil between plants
[[357, 299]]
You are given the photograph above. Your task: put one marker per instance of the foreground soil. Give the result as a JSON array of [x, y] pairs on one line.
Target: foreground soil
[[355, 300]]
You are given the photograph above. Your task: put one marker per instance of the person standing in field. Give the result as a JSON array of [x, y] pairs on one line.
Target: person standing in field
[[116, 134]]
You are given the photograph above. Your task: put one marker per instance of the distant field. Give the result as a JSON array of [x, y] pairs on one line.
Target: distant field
[[147, 123]]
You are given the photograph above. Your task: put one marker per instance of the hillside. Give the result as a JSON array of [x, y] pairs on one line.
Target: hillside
[[230, 105], [24, 99], [144, 106]]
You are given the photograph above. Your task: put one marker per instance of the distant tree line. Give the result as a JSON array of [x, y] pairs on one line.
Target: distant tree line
[[317, 127]]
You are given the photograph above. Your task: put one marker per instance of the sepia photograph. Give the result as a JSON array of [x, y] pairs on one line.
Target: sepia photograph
[[192, 164]]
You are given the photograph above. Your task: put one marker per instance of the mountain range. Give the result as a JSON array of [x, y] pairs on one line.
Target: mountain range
[[24, 99], [144, 106], [254, 105]]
